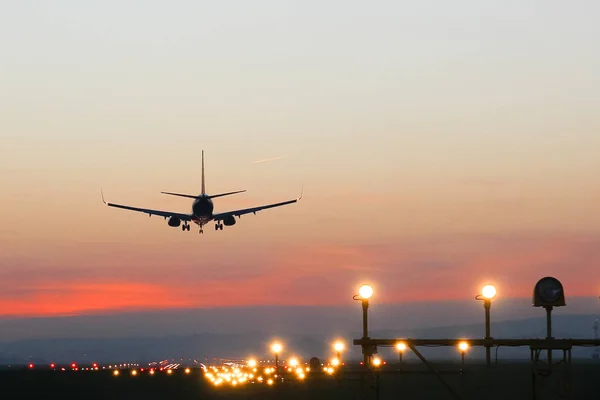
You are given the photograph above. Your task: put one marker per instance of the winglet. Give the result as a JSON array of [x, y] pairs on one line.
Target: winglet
[[102, 194], [301, 193]]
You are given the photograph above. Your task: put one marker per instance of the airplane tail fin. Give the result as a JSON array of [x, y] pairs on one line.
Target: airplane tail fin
[[203, 183]]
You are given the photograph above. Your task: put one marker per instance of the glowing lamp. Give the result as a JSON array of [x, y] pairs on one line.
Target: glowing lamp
[[338, 346], [377, 361], [276, 348], [400, 346], [293, 362], [463, 346], [365, 292], [488, 292]]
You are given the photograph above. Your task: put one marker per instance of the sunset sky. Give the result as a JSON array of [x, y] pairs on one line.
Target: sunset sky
[[441, 145]]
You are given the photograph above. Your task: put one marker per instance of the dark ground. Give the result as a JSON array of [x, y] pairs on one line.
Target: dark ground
[[504, 381]]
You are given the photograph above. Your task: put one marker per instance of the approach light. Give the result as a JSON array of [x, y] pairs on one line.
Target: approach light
[[377, 361], [489, 292], [365, 292], [463, 346], [116, 372], [335, 362], [400, 346], [338, 346], [276, 348], [293, 362]]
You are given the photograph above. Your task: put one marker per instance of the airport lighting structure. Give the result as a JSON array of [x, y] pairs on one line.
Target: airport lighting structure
[[463, 347], [549, 293], [365, 292], [276, 349], [488, 292], [338, 347], [400, 348]]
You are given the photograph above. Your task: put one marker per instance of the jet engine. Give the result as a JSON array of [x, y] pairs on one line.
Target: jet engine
[[229, 220], [174, 221]]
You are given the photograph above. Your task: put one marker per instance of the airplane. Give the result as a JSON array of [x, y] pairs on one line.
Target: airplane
[[202, 209]]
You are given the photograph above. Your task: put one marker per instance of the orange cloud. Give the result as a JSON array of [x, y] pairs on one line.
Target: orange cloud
[[69, 298], [444, 268]]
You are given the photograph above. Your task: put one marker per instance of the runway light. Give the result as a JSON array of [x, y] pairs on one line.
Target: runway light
[[187, 371], [276, 348], [338, 346], [463, 346], [116, 372], [489, 292], [151, 372], [31, 366], [335, 362], [270, 382], [134, 372], [73, 365], [400, 346], [169, 371], [252, 363], [293, 362], [365, 291], [52, 365]]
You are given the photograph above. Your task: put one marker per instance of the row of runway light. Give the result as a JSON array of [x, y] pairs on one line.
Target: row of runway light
[[150, 371], [250, 373]]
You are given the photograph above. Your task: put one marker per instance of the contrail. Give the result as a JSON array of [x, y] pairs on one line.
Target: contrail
[[268, 159]]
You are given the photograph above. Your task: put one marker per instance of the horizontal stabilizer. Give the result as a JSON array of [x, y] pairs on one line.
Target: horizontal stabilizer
[[212, 196], [191, 196]]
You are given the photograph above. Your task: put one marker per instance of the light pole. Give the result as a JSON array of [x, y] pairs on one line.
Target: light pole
[[364, 294], [338, 347], [487, 294], [400, 347], [276, 349], [463, 347]]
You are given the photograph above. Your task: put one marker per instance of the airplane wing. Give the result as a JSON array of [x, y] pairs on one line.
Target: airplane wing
[[166, 214], [253, 210]]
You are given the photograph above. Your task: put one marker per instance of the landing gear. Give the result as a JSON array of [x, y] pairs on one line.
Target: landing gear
[[218, 226], [201, 231], [185, 227]]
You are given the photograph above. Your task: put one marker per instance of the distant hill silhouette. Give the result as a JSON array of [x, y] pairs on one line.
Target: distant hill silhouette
[[204, 346]]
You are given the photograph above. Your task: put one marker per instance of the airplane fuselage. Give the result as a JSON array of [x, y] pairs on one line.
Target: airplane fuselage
[[202, 208]]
